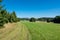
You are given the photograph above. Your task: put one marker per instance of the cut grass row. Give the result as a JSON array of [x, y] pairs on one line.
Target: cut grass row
[[14, 32], [43, 31]]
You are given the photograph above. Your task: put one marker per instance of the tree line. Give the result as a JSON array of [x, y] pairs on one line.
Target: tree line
[[44, 19], [6, 17]]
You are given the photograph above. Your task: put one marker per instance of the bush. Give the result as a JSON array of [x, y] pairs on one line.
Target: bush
[[18, 19], [48, 20], [5, 20], [32, 20], [1, 21], [56, 19]]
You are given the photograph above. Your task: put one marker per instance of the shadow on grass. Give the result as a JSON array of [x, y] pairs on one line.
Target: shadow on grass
[[2, 27]]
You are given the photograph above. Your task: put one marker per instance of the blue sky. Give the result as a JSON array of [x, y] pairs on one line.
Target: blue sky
[[33, 8]]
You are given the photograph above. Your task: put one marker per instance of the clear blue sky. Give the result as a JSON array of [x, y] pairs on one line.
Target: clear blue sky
[[33, 8]]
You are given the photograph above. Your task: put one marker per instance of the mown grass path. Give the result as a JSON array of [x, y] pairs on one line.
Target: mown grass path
[[14, 32]]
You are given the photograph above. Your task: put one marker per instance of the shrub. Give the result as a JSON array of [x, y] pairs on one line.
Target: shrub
[[1, 21], [17, 20], [5, 20], [48, 20], [56, 19], [32, 19]]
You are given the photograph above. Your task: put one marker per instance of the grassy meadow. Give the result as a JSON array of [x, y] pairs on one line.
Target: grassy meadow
[[30, 31], [43, 30]]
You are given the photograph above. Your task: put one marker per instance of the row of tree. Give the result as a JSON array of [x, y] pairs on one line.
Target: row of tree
[[46, 19], [6, 17], [54, 20]]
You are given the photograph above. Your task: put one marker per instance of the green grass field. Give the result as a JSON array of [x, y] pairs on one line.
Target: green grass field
[[43, 30], [30, 31]]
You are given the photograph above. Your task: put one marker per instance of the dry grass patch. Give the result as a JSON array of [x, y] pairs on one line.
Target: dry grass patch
[[14, 31]]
